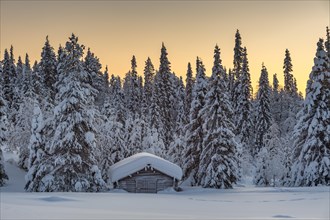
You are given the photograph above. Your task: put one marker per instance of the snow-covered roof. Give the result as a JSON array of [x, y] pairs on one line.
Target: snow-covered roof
[[139, 161]]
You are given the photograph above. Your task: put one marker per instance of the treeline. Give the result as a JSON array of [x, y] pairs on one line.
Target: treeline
[[70, 121]]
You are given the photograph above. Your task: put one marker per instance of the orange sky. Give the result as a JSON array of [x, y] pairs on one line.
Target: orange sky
[[116, 30]]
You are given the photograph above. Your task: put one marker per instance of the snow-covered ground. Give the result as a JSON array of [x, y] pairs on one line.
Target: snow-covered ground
[[192, 203]]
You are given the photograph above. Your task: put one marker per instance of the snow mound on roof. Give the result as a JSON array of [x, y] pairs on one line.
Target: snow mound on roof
[[138, 162]]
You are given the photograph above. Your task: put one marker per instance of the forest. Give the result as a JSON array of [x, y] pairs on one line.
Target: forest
[[70, 121]]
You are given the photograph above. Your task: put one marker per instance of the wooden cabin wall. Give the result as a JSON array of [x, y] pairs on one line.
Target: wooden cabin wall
[[146, 181]]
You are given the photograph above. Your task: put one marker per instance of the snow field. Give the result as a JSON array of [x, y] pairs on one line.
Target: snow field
[[192, 203]]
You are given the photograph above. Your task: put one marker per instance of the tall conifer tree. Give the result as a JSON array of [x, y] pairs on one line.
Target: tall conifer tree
[[289, 81], [8, 87], [194, 130], [243, 106], [48, 71], [164, 96], [263, 116], [188, 90], [218, 161], [3, 132], [149, 75], [311, 134]]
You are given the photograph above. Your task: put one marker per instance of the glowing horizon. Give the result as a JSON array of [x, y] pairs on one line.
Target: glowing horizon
[[115, 31]]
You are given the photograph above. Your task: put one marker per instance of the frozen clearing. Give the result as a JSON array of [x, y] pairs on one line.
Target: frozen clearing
[[192, 203]]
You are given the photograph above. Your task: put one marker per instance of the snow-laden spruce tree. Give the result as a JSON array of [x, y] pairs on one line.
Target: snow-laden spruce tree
[[36, 150], [194, 130], [95, 78], [116, 100], [231, 82], [153, 142], [106, 83], [19, 71], [270, 159], [131, 90], [286, 160], [12, 60], [243, 106], [275, 105], [218, 158], [21, 133], [36, 79], [140, 95], [154, 117], [238, 55], [18, 85], [111, 129], [178, 144], [289, 81], [61, 56], [177, 97], [290, 100], [111, 142], [133, 134], [3, 132], [262, 111], [149, 75], [312, 133], [48, 71], [3, 118], [237, 70], [134, 123], [70, 164], [163, 96], [188, 91], [28, 89], [11, 89], [7, 75]]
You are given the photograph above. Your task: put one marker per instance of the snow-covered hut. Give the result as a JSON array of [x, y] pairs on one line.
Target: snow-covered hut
[[145, 173]]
